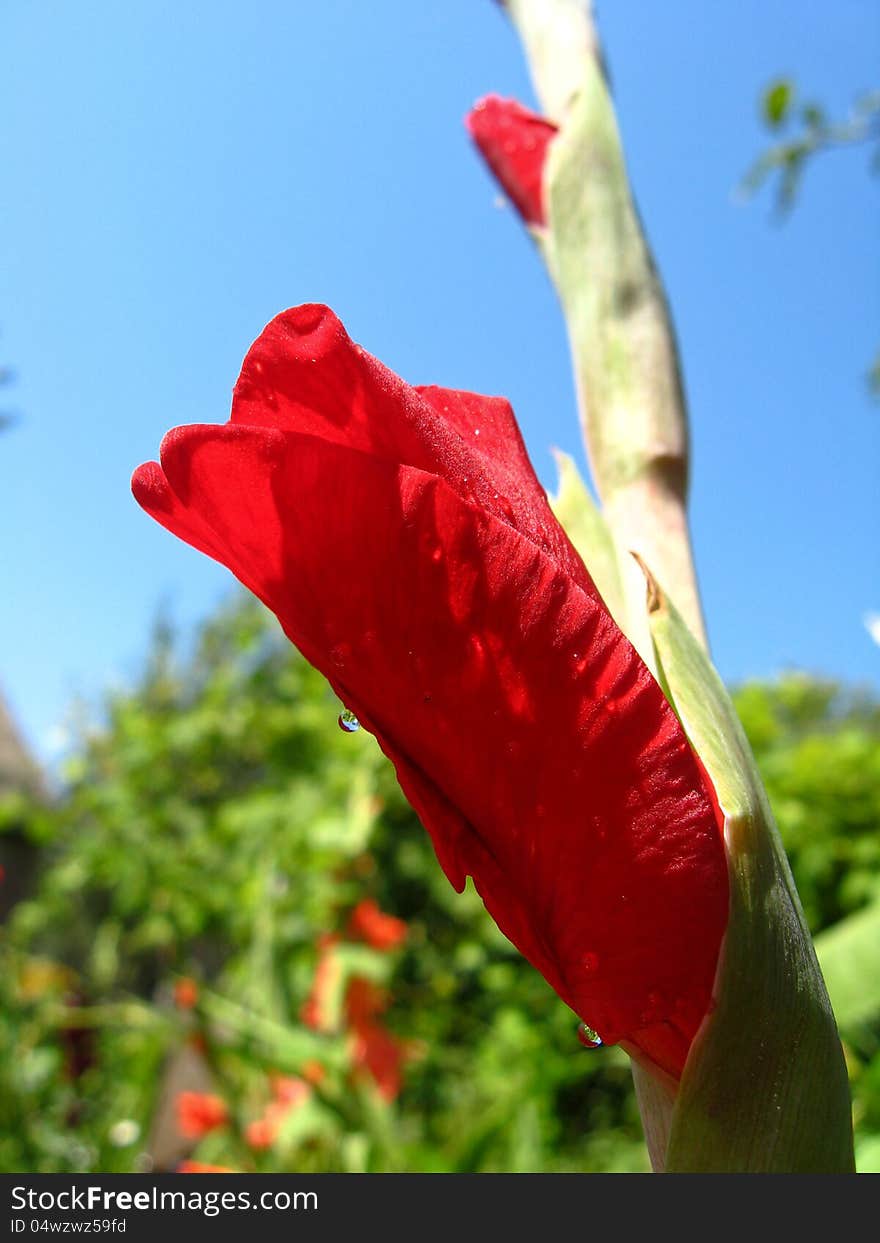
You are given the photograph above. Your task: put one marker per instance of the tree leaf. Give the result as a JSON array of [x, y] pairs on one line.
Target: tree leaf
[[776, 102]]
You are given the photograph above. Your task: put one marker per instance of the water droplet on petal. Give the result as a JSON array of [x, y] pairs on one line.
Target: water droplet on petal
[[589, 1038], [348, 721], [590, 961]]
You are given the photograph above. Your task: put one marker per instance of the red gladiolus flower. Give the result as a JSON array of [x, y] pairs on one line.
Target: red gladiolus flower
[[200, 1112], [368, 923], [513, 141], [403, 540]]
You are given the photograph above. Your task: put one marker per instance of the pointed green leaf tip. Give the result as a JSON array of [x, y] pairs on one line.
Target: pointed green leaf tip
[[765, 1088]]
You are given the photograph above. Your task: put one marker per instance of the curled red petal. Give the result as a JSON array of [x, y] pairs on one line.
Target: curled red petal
[[513, 141], [305, 374], [532, 741]]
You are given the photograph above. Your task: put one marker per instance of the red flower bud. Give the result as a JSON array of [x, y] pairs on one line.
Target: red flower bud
[[402, 538], [513, 141]]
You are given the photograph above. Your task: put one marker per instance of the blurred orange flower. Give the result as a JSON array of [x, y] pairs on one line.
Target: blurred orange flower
[[262, 1133], [313, 1072], [379, 1054], [200, 1112], [186, 992], [375, 1050], [369, 923], [290, 1090], [317, 1010], [290, 1093]]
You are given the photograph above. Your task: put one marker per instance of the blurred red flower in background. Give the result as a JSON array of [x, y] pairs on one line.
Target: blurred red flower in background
[[289, 1093], [368, 923], [405, 543], [376, 1052], [200, 1112], [186, 993], [317, 1009], [313, 1072]]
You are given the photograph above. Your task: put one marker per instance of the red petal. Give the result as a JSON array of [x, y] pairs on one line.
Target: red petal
[[499, 685], [513, 141], [305, 374]]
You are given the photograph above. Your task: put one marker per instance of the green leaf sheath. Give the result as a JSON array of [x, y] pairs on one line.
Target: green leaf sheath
[[765, 1086]]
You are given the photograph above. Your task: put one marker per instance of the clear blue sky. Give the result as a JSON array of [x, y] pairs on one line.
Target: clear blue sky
[[177, 173]]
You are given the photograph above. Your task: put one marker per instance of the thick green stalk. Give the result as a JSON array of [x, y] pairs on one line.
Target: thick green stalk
[[624, 353], [765, 1088]]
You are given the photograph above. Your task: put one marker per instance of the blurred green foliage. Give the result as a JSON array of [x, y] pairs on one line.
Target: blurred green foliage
[[217, 826]]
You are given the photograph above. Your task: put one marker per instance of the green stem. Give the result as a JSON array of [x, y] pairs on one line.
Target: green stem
[[623, 346]]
